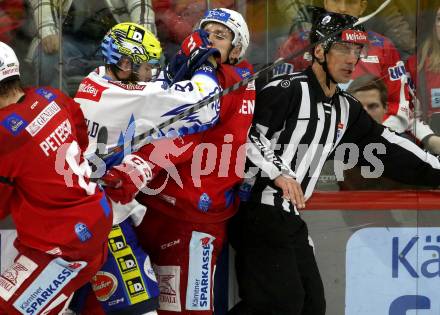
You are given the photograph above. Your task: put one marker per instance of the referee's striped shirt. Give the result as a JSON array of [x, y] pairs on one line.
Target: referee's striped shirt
[[296, 125]]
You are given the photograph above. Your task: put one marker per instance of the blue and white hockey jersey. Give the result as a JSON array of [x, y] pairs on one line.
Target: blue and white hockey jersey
[[127, 110]]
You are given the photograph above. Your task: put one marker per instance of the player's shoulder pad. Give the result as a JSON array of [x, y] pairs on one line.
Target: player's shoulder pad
[[286, 80]]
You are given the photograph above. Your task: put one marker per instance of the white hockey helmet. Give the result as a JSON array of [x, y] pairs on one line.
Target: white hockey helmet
[[234, 21], [9, 65]]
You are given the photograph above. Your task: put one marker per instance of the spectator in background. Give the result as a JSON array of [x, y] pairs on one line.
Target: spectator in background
[[177, 18], [83, 25], [11, 18], [424, 69], [371, 91]]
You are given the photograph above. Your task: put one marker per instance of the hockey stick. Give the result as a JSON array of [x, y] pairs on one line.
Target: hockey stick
[[102, 140], [138, 139]]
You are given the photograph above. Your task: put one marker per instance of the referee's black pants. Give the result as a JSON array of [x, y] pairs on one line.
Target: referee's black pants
[[276, 268]]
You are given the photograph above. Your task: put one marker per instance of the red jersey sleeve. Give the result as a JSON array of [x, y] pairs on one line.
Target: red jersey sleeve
[[394, 76]]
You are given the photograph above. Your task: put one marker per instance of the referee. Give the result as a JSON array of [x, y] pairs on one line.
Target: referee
[[306, 117]]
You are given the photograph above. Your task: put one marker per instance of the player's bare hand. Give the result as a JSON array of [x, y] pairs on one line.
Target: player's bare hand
[[51, 44], [291, 190]]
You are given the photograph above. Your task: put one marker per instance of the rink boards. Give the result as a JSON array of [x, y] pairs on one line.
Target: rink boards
[[378, 253]]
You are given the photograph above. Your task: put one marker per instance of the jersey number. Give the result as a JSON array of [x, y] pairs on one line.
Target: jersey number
[[70, 153]]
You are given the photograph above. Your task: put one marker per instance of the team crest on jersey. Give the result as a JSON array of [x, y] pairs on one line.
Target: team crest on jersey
[[204, 202], [83, 232], [243, 72], [48, 95], [14, 123], [90, 90]]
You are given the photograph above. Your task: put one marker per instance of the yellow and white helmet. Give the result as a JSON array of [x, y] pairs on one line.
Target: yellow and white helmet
[[131, 40]]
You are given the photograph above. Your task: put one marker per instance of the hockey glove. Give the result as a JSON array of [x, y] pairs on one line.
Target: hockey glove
[[194, 52], [124, 181]]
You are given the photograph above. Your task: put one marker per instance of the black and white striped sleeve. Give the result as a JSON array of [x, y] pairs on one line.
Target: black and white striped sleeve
[[402, 159], [273, 107]]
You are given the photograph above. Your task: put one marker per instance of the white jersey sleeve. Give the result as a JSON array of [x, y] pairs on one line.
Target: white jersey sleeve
[[128, 110]]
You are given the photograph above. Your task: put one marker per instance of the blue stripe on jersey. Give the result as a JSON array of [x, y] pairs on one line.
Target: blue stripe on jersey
[[104, 204]]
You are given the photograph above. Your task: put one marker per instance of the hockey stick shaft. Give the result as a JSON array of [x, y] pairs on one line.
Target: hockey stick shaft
[[138, 139]]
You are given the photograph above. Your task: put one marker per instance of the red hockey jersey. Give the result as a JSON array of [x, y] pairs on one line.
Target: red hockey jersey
[[202, 175], [428, 89], [383, 61], [44, 181]]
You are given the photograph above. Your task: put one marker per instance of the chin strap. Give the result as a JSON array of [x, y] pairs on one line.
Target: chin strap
[[328, 77]]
